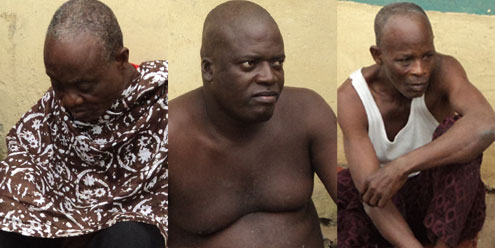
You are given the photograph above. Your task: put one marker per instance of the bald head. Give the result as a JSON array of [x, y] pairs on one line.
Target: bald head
[[226, 20], [395, 9], [87, 16]]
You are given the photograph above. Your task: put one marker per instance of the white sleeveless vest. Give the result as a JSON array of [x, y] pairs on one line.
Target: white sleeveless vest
[[417, 132]]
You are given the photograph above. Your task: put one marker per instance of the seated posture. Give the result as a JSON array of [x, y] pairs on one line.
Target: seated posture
[[87, 165], [404, 189], [243, 152]]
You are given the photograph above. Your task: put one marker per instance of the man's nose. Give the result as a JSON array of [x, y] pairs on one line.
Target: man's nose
[[265, 74], [70, 99], [419, 68]]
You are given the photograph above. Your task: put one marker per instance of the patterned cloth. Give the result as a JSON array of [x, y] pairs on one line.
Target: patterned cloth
[[66, 178], [446, 203]]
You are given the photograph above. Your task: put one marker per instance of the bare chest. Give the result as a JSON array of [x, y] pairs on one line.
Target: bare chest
[[216, 183]]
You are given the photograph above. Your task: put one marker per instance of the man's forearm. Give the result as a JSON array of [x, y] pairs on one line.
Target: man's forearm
[[392, 226], [463, 142]]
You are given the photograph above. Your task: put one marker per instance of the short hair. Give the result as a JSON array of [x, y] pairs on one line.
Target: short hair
[[90, 16], [401, 8]]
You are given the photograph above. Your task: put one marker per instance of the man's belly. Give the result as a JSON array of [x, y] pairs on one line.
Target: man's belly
[[298, 228]]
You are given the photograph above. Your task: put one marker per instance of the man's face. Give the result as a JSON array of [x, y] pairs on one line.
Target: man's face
[[408, 53], [248, 76], [82, 79]]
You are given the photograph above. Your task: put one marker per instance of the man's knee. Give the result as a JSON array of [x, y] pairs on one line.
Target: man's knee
[[128, 234]]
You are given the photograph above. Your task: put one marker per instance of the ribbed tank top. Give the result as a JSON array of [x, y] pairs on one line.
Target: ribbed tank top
[[417, 132]]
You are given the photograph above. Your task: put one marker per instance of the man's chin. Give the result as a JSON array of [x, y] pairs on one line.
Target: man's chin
[[262, 116]]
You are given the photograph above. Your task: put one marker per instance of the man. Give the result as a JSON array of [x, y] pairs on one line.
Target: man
[[87, 165], [243, 152], [388, 113]]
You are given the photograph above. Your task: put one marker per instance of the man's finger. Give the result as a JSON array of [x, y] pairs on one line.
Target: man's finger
[[375, 199], [367, 196]]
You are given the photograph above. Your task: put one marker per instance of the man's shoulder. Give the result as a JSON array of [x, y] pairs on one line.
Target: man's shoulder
[[447, 66], [368, 73], [184, 107], [304, 103], [184, 100], [300, 98], [448, 71]]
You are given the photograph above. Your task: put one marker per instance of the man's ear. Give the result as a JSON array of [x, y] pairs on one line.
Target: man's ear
[[206, 69], [122, 57], [376, 53]]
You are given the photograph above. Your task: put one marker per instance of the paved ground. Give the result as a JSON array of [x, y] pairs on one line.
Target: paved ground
[[329, 234], [487, 237]]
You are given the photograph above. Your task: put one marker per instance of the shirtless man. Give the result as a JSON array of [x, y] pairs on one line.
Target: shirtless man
[[388, 112], [243, 152]]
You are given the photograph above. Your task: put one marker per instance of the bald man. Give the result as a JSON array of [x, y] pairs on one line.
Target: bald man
[[407, 190], [87, 165], [244, 149]]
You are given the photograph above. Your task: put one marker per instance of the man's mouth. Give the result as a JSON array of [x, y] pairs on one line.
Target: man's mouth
[[266, 96], [418, 87]]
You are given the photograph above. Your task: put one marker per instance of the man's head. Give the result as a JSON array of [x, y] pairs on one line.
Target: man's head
[[242, 57], [404, 47], [85, 58]]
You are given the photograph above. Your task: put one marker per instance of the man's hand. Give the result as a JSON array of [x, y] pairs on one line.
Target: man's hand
[[382, 185]]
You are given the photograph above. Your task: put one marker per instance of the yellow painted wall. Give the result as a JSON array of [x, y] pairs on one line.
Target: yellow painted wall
[[470, 38], [22, 33], [309, 30], [166, 29]]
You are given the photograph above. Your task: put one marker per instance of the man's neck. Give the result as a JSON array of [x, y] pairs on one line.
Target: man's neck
[[129, 74], [385, 89]]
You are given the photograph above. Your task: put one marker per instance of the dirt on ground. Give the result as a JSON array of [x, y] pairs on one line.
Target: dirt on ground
[[329, 230], [487, 239]]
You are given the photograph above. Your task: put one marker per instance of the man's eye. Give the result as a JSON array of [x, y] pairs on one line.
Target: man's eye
[[278, 63], [248, 64], [428, 56], [85, 87], [404, 61]]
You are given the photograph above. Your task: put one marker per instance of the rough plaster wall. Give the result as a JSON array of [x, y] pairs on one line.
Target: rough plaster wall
[[309, 33], [470, 38], [22, 32]]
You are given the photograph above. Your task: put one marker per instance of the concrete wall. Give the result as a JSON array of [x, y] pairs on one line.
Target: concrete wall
[[22, 33], [309, 32], [468, 37]]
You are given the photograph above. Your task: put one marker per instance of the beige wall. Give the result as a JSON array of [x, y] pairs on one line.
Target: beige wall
[[309, 30], [158, 29], [22, 32], [470, 38]]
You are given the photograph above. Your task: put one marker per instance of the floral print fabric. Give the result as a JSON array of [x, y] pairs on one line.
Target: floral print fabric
[[65, 178]]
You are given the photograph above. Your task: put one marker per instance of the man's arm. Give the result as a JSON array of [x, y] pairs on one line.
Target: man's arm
[[464, 141], [323, 144], [470, 135], [363, 162]]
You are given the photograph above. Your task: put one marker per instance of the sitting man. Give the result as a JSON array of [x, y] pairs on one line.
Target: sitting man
[[243, 152], [407, 190], [90, 158]]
